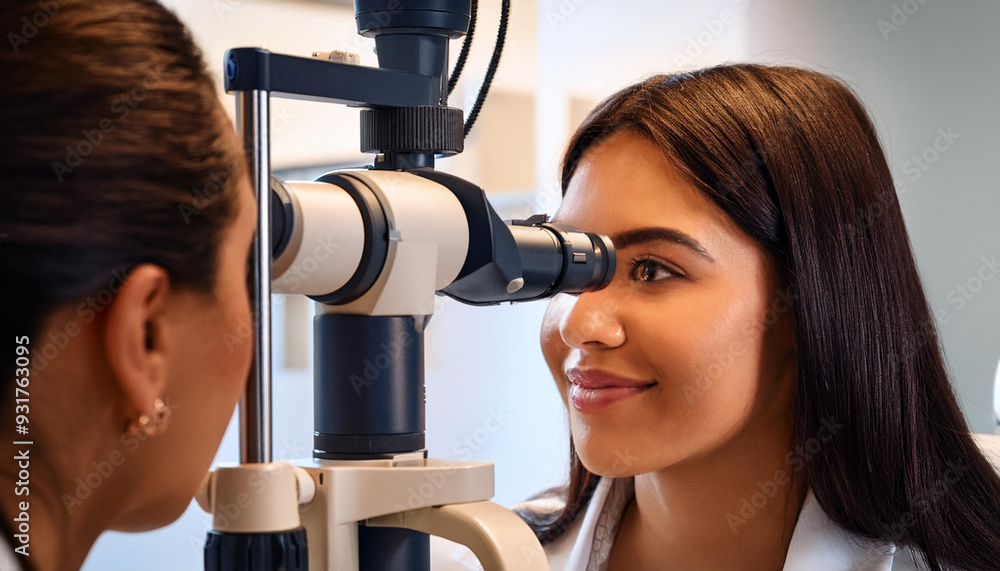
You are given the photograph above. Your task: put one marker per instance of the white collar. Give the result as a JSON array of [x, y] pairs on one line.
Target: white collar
[[817, 544]]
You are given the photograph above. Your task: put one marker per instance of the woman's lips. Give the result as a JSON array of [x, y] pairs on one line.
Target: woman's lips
[[592, 390], [593, 400]]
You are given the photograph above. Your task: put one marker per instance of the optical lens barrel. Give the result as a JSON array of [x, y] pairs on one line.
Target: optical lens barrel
[[558, 258]]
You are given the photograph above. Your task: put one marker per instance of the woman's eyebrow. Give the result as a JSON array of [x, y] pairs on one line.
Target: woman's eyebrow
[[654, 234]]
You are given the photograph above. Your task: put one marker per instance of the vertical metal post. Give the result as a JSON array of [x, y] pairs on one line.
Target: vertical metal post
[[253, 126]]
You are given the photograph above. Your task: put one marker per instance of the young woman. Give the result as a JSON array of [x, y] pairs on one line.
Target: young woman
[[126, 219], [761, 385]]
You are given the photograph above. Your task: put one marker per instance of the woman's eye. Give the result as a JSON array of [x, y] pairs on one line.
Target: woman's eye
[[649, 270]]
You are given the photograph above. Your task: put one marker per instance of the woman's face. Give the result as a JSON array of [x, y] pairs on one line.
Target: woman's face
[[710, 333]]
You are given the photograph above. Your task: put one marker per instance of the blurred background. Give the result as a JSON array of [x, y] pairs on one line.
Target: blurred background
[[929, 72]]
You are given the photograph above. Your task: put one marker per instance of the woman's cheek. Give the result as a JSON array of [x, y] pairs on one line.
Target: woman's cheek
[[553, 346], [244, 328], [680, 342], [234, 334]]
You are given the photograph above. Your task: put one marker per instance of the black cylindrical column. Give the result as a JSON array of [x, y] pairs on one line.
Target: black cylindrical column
[[369, 386], [393, 549], [369, 403]]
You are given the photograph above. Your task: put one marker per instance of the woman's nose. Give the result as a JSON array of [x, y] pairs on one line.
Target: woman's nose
[[590, 320]]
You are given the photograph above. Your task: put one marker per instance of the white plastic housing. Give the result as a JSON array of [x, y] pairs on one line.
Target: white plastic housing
[[326, 243], [428, 235]]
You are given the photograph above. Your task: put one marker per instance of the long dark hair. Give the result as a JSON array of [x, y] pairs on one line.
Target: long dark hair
[[791, 155], [113, 154]]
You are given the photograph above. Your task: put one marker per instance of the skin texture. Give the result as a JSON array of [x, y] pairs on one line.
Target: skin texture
[[717, 338], [153, 340]]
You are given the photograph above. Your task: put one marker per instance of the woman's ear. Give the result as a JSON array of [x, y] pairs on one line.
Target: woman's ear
[[134, 337]]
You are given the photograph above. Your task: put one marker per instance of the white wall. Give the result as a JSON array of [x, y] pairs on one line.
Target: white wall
[[303, 133], [588, 49]]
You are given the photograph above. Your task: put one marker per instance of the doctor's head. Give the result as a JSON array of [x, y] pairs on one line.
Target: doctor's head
[[765, 293], [126, 219]]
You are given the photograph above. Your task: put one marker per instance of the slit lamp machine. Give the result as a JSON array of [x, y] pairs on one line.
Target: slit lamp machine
[[404, 233]]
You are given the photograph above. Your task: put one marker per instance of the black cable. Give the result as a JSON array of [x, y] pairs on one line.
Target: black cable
[[464, 54], [492, 69]]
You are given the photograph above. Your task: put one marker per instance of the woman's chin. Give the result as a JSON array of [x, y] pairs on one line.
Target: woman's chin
[[611, 461], [150, 517]]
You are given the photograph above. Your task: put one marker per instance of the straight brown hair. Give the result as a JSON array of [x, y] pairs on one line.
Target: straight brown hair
[[793, 158]]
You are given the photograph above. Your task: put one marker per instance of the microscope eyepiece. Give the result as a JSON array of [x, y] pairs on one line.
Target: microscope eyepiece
[[558, 258], [588, 259]]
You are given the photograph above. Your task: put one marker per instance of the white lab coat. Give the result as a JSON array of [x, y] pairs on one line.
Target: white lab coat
[[818, 544]]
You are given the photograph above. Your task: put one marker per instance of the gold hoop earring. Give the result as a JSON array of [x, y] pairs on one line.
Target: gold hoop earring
[[150, 426]]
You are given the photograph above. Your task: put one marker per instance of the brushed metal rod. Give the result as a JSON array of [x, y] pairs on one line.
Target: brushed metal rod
[[253, 121]]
